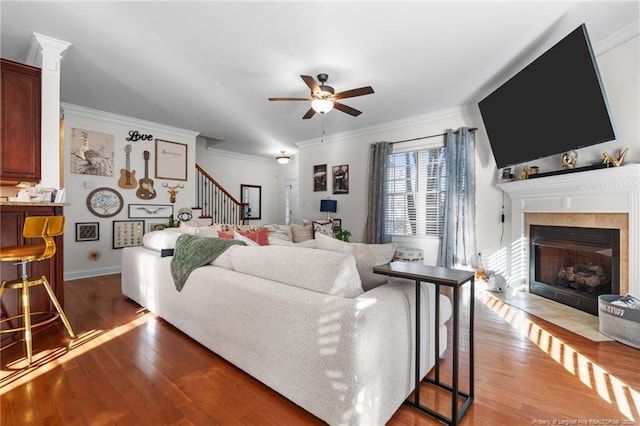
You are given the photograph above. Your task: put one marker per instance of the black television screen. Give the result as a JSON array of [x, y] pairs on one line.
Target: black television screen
[[555, 104]]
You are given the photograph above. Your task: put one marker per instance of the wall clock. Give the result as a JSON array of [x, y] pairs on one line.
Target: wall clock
[[104, 202]]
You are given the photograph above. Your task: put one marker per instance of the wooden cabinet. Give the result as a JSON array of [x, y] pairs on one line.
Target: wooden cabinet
[[11, 222], [20, 103]]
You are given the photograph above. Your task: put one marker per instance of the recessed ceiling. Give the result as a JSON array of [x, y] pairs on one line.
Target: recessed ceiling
[[211, 66]]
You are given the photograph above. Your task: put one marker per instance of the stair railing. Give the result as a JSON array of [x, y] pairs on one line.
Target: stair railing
[[215, 202]]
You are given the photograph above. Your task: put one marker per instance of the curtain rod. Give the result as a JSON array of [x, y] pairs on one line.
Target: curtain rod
[[431, 136]]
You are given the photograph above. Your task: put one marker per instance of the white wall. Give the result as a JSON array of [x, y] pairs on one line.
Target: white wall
[[78, 186], [354, 151], [231, 170], [619, 69]]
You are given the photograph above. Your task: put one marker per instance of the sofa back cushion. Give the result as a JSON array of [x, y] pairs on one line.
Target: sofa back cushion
[[329, 273], [366, 255]]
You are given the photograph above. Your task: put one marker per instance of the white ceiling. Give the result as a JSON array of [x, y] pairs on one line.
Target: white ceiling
[[210, 66]]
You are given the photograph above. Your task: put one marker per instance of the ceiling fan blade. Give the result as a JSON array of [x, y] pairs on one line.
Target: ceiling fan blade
[[309, 81], [354, 92], [309, 114], [290, 99], [347, 109]]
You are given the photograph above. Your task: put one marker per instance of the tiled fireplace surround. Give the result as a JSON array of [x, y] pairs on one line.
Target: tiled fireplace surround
[[605, 198]]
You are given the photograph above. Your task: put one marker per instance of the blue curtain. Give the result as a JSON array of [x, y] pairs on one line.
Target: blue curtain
[[374, 231], [459, 234]]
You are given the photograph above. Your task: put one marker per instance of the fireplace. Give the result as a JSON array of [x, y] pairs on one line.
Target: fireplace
[[574, 265]]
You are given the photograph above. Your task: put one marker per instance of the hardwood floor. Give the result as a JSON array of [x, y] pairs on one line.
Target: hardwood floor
[[128, 367]]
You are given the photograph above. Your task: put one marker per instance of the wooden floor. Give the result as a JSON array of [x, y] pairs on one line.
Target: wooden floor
[[128, 367]]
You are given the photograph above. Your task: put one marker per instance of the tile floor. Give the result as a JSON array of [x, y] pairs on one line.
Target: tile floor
[[577, 321]]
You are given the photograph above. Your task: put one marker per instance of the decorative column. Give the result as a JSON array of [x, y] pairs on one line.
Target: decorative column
[[47, 53]]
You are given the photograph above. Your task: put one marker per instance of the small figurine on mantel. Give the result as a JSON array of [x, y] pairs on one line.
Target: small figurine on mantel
[[525, 173], [569, 160], [618, 160]]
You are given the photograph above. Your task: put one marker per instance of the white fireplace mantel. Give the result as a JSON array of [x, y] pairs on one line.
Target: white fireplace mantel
[[612, 190]]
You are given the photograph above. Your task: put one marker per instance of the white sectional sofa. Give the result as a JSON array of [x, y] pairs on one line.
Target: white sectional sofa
[[298, 320]]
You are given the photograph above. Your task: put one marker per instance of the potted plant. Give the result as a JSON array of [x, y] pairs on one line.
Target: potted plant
[[343, 235]]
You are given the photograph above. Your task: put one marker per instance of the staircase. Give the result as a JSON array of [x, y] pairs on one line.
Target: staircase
[[215, 203]]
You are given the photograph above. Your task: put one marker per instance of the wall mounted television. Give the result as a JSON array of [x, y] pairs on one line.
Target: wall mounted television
[[555, 104]]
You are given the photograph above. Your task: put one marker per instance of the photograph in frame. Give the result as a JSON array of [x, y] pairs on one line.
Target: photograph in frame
[[340, 179], [127, 233], [320, 177], [87, 231], [171, 160]]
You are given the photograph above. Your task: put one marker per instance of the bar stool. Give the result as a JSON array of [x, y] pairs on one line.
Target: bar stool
[[45, 227]]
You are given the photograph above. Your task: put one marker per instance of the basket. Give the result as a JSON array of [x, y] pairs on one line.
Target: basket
[[619, 322]]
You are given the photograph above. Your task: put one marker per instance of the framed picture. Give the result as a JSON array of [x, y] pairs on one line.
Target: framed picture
[[91, 152], [320, 177], [340, 179], [155, 226], [150, 211], [87, 231], [171, 160], [337, 224], [506, 173], [104, 202], [127, 233]]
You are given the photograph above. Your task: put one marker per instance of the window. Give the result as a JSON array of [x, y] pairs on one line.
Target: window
[[416, 184]]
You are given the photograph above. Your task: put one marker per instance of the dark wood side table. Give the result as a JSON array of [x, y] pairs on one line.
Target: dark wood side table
[[455, 279]]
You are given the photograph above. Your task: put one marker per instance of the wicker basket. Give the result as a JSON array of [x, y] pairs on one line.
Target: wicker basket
[[618, 322]]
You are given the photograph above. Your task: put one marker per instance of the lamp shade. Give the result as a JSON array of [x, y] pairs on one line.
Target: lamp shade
[[322, 105], [329, 206]]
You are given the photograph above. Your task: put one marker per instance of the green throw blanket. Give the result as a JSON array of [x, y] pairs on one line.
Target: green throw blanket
[[192, 251]]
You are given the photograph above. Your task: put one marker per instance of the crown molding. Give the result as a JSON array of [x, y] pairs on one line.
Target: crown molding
[[42, 45], [618, 38], [127, 121], [238, 156], [460, 111]]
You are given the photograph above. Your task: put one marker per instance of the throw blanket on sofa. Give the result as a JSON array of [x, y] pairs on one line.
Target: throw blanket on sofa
[[193, 251]]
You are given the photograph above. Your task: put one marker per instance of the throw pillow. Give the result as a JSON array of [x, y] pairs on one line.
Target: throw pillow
[[245, 239], [367, 256], [279, 235], [325, 228], [302, 233]]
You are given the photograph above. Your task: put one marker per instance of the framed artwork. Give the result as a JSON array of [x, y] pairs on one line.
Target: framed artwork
[[104, 202], [127, 233], [147, 211], [87, 231], [337, 224], [320, 177], [340, 179], [171, 160], [91, 153], [506, 173]]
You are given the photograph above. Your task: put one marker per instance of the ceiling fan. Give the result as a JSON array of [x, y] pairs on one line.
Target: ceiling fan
[[323, 98]]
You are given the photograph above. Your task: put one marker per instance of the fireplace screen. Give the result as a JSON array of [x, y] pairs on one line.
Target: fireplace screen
[[574, 265]]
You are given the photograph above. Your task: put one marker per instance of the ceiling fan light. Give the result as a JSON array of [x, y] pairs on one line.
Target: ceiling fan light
[[282, 158], [322, 105]]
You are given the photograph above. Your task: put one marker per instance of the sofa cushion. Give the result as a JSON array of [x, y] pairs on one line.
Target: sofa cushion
[[160, 240], [366, 255], [279, 234], [330, 273]]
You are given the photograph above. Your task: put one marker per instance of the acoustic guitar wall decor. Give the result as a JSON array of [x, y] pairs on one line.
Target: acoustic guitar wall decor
[[145, 190], [127, 176]]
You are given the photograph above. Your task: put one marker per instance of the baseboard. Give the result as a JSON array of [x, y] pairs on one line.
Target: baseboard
[[76, 275]]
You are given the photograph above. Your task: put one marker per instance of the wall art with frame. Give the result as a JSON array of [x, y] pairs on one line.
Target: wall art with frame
[[127, 233], [150, 211], [87, 231], [171, 160], [320, 177], [340, 179]]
